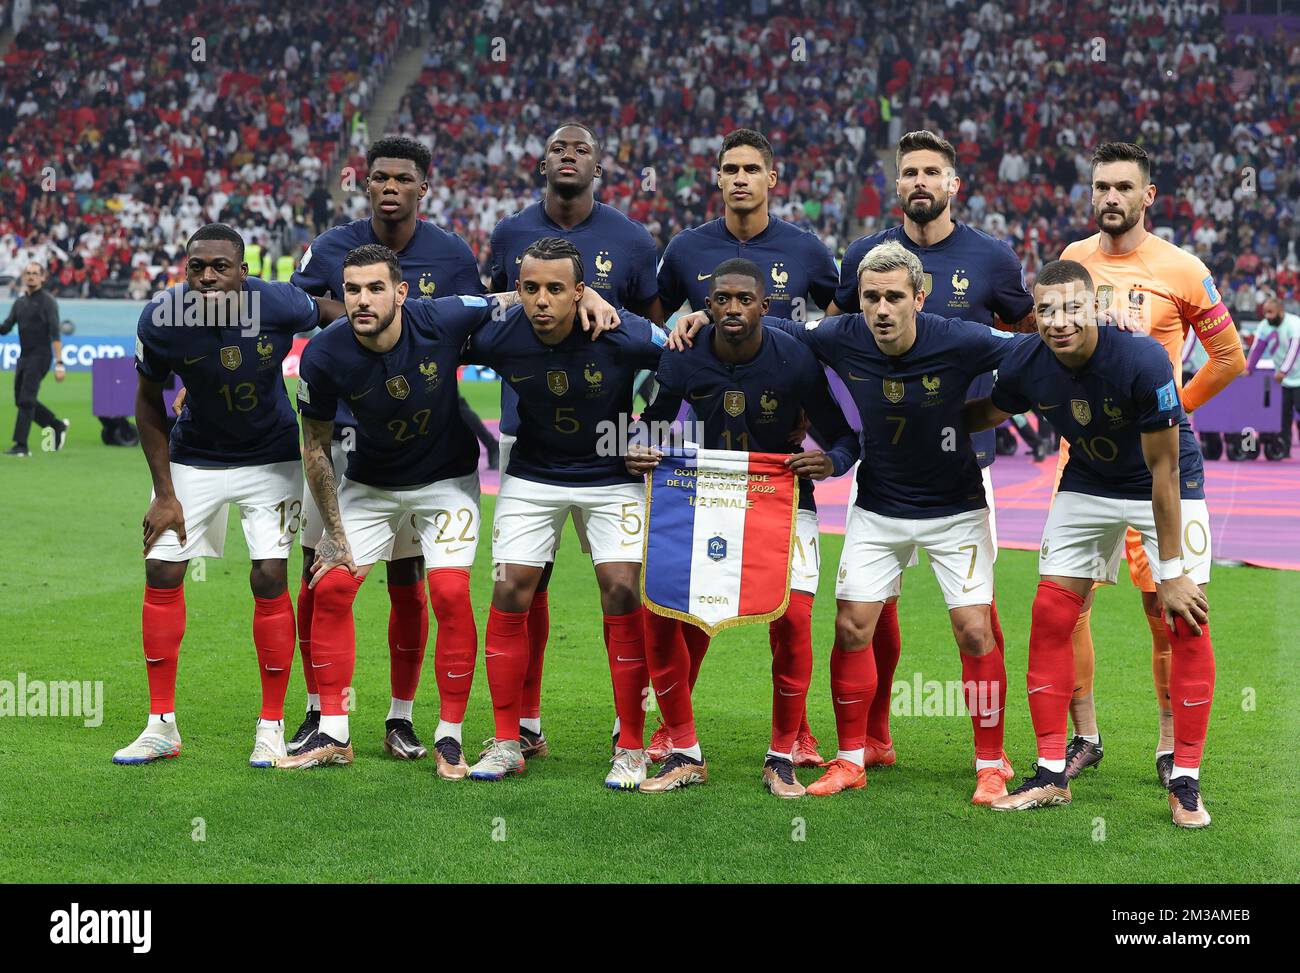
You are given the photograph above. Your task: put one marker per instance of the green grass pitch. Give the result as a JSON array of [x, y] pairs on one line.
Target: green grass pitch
[[70, 595]]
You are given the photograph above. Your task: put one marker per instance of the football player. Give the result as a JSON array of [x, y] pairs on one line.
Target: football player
[[748, 386], [1134, 465], [225, 334], [619, 264], [574, 396], [1169, 292]]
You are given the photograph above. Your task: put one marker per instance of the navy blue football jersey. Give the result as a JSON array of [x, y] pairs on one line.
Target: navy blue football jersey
[[755, 405], [795, 263], [574, 398], [409, 429], [1125, 389], [618, 253], [435, 263], [916, 460], [237, 411], [968, 275], [618, 259]]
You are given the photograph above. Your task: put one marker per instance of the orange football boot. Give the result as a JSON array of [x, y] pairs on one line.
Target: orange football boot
[[841, 775], [989, 786]]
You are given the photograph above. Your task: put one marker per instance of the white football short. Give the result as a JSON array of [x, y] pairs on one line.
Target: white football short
[[806, 557], [408, 540], [269, 498], [530, 515], [878, 548], [580, 528], [442, 517], [1084, 537]]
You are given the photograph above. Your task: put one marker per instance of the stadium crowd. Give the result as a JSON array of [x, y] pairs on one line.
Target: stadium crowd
[[146, 144]]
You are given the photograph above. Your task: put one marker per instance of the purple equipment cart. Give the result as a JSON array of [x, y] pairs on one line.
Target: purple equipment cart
[[1250, 404]]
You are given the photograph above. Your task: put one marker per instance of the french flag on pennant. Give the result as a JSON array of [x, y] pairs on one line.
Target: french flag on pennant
[[718, 534]]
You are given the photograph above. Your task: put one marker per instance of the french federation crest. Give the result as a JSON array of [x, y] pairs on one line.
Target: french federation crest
[[557, 381], [1082, 411], [893, 390], [231, 358], [927, 284], [717, 548], [398, 387], [1105, 296], [733, 403]]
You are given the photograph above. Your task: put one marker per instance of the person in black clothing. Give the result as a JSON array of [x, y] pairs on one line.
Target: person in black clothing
[[37, 315]]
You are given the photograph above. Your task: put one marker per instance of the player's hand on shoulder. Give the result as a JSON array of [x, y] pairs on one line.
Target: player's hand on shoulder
[[1183, 597], [812, 464], [164, 514], [332, 552], [1122, 318], [685, 330], [596, 314], [179, 404], [641, 459]]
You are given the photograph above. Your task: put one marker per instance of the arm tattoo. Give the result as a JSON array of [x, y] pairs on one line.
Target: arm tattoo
[[320, 477]]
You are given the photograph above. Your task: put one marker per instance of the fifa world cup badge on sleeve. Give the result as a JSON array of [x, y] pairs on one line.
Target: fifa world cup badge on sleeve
[[719, 527]]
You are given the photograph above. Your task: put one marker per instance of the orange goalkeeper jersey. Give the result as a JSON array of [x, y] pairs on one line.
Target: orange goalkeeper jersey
[[1170, 291]]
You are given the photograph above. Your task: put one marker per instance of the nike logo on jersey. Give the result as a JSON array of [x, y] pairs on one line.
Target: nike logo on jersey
[[700, 398], [664, 692], [360, 394], [520, 378], [847, 702], [1202, 702], [857, 378], [1040, 689], [1045, 408], [321, 665], [277, 668], [459, 675], [191, 361], [703, 276], [967, 588], [454, 550], [784, 693], [147, 659], [639, 659]]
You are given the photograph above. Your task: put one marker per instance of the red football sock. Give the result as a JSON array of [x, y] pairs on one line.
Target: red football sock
[[697, 644], [853, 684], [334, 652], [456, 645], [1050, 679], [539, 630], [1191, 690], [505, 650], [162, 624], [306, 601], [887, 646], [984, 681], [273, 636], [670, 670], [630, 673], [408, 633], [997, 629], [792, 660]]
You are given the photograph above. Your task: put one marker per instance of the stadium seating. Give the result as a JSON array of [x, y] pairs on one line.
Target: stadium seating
[[146, 144]]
